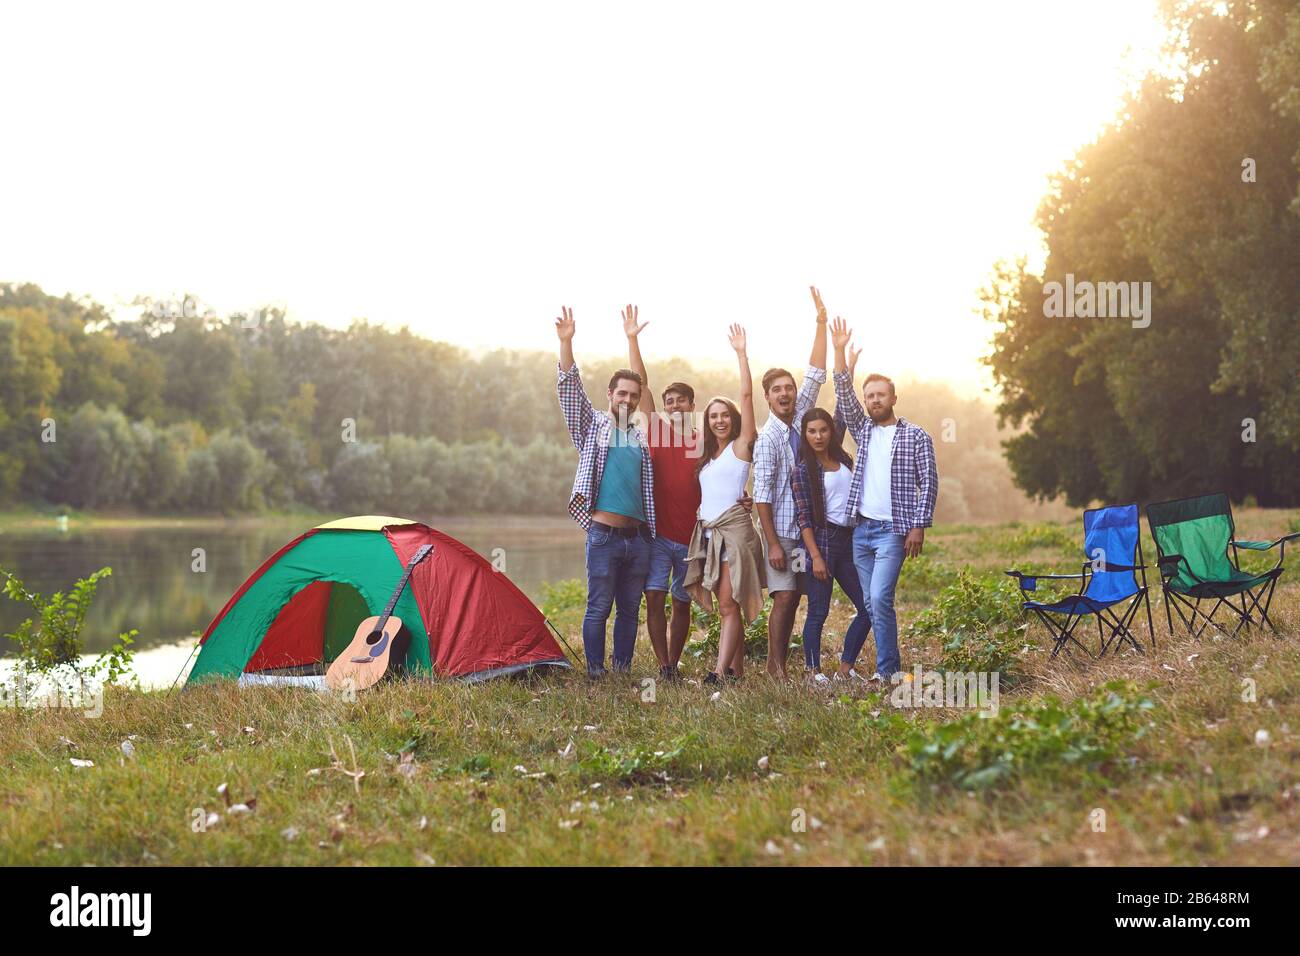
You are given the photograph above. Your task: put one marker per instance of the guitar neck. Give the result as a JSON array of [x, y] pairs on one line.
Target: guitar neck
[[401, 585]]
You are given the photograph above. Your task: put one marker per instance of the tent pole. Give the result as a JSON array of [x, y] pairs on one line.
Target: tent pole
[[575, 657], [197, 645]]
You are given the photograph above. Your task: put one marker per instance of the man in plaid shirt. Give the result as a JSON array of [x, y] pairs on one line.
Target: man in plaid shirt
[[774, 463], [613, 501], [891, 500]]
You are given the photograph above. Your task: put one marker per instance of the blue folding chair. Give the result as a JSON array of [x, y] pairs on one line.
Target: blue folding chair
[[1112, 543]]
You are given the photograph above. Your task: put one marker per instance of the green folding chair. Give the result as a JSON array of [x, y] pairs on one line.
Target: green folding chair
[[1196, 550]]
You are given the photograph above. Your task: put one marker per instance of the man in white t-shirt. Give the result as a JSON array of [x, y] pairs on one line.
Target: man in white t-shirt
[[891, 501]]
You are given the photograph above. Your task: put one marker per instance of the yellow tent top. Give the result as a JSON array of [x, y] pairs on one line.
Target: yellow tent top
[[365, 523]]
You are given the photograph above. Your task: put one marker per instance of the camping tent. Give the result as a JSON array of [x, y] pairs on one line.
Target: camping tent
[[300, 609]]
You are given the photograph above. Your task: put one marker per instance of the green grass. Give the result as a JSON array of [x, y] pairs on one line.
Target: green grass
[[559, 771]]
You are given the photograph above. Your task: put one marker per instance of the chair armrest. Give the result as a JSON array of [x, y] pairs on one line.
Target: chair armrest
[[1169, 565], [1266, 545], [1029, 582]]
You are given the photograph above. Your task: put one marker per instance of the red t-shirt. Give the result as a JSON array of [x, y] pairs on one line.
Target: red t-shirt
[[677, 485]]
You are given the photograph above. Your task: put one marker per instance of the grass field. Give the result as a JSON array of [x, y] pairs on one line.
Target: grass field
[[1154, 758]]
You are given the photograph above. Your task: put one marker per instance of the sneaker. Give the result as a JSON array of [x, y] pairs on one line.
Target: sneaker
[[712, 679], [821, 680]]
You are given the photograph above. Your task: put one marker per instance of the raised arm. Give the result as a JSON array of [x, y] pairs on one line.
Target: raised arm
[[574, 403], [818, 357], [846, 399], [841, 426], [748, 428], [815, 375], [632, 329]]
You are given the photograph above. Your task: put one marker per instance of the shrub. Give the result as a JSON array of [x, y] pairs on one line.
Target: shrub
[[1043, 737], [979, 623], [1036, 536], [635, 764], [710, 624], [49, 644], [921, 577]]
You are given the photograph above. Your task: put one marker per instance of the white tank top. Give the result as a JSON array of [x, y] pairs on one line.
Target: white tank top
[[722, 483]]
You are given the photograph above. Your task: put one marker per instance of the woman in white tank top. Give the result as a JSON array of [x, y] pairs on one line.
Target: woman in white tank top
[[729, 434], [722, 479]]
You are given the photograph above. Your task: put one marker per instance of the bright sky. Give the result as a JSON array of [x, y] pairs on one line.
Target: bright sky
[[467, 168]]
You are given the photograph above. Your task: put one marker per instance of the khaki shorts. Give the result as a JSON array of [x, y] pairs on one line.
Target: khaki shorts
[[787, 580]]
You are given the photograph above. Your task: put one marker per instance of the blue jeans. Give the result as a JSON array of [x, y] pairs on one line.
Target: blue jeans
[[878, 554], [839, 561], [668, 557], [616, 574]]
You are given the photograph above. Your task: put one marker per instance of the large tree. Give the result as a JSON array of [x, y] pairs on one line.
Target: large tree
[[1196, 189]]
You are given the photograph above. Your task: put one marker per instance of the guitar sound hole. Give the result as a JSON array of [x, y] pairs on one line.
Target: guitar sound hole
[[374, 637]]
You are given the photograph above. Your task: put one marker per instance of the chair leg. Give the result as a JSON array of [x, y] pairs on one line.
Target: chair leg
[[1176, 602], [1123, 631], [1264, 590], [1146, 601]]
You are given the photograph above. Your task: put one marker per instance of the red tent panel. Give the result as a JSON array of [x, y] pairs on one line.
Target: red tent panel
[[297, 635], [476, 618]]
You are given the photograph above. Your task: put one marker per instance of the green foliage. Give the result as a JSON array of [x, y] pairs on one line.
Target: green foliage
[[635, 764], [177, 412], [979, 622], [1112, 412], [1042, 737], [883, 726], [563, 597], [478, 766], [52, 638], [921, 577], [708, 632], [1041, 536]]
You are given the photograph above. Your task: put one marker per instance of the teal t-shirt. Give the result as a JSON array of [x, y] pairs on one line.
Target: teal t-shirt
[[620, 484]]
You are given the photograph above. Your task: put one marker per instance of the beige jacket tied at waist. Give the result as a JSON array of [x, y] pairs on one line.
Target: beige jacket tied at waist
[[734, 528]]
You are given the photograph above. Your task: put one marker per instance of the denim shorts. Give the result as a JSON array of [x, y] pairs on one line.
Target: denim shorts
[[667, 556]]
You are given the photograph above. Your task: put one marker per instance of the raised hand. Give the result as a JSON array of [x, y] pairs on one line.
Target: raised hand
[[736, 336], [840, 333], [564, 325], [853, 357], [630, 326], [817, 301]]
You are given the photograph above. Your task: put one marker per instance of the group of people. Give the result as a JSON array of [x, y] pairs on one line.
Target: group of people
[[670, 503]]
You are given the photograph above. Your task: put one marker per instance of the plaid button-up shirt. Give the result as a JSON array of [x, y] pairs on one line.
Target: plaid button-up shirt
[[591, 431], [774, 458], [913, 477]]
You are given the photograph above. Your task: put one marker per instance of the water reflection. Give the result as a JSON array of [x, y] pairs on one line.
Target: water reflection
[[154, 589]]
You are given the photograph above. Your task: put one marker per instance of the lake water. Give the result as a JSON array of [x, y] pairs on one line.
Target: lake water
[[154, 589]]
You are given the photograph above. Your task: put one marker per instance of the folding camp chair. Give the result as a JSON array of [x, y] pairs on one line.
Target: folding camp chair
[[1110, 535], [1193, 537]]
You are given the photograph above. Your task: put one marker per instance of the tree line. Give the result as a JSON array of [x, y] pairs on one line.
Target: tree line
[[203, 413]]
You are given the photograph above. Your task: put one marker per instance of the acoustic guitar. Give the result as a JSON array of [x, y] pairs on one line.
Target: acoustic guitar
[[375, 644]]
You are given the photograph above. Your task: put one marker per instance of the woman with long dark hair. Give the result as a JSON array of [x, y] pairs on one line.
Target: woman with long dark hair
[[821, 493], [725, 559]]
